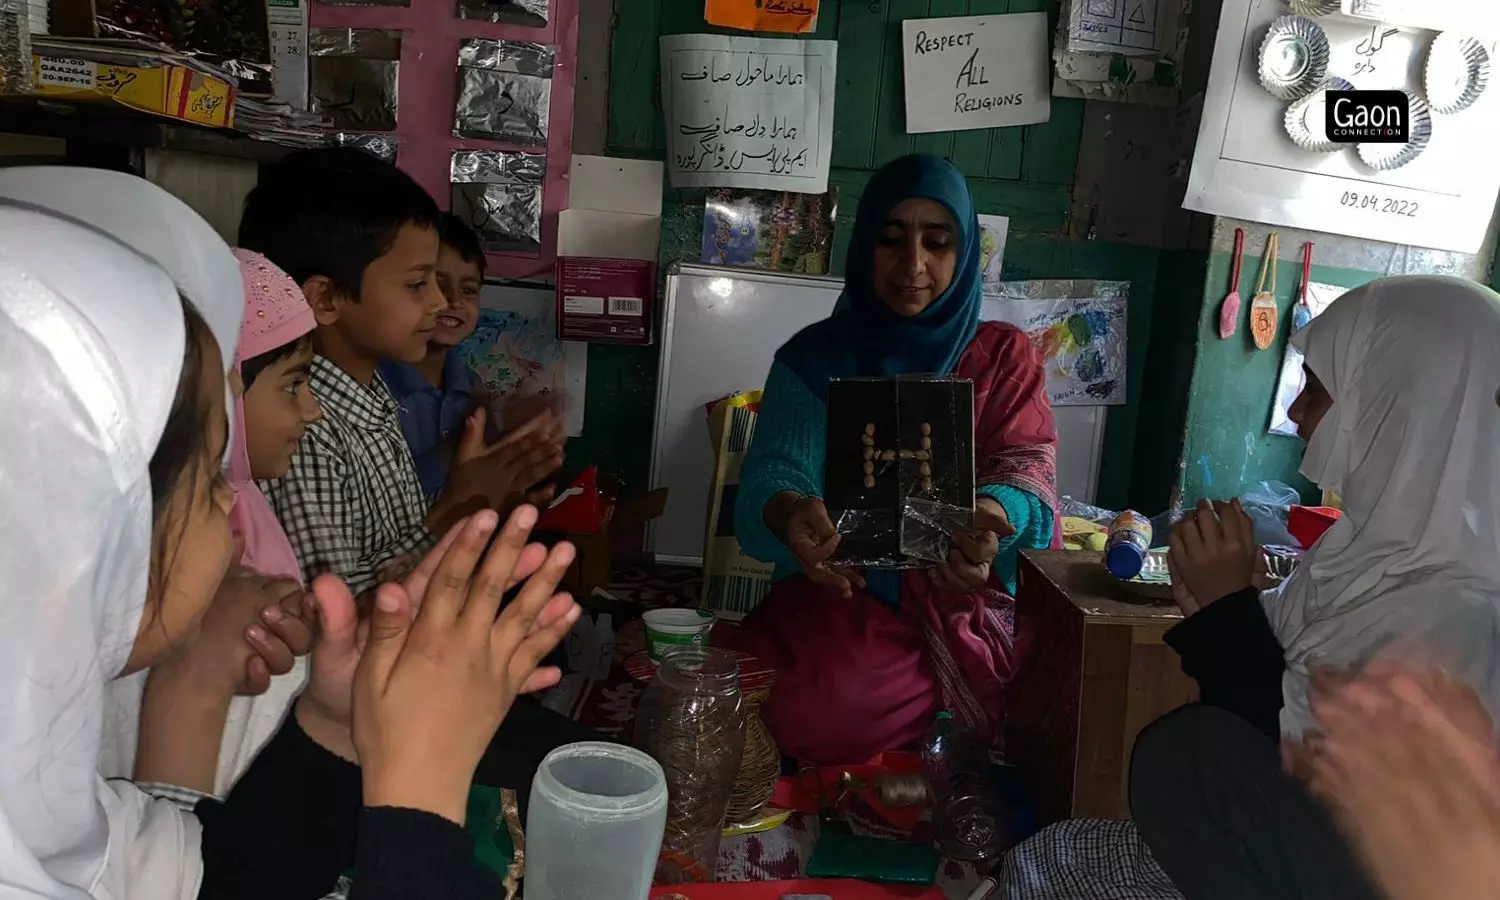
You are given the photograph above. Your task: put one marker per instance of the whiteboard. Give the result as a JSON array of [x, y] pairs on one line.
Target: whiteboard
[[721, 326]]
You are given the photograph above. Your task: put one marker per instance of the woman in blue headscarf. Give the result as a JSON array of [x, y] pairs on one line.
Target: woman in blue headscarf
[[865, 659]]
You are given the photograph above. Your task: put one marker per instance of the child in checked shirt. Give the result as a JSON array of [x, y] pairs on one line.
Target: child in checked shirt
[[361, 239]]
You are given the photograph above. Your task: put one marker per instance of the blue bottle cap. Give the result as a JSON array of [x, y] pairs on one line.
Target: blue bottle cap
[[1124, 560]]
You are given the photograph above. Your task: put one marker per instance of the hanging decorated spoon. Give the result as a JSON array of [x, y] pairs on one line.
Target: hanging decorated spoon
[[1301, 312], [1263, 305], [1229, 312]]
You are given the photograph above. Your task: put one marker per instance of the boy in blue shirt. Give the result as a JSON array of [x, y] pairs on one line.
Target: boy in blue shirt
[[435, 395]]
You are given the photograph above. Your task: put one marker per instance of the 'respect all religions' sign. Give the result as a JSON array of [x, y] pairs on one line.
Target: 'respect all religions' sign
[[976, 72]]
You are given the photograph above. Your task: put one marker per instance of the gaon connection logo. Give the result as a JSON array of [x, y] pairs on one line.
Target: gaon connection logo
[[1368, 117]]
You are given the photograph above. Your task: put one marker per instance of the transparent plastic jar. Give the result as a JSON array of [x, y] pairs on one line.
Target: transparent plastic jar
[[692, 721], [594, 823]]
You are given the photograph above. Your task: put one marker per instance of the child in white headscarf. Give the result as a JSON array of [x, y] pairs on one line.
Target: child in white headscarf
[[1401, 418], [113, 540]]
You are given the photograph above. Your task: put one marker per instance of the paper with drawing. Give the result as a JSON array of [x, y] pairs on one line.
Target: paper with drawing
[[515, 350], [976, 72], [1078, 329], [1129, 27], [748, 112]]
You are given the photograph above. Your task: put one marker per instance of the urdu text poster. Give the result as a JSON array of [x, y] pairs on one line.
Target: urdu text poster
[[748, 112]]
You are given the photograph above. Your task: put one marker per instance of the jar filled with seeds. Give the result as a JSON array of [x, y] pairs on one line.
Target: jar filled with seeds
[[691, 720]]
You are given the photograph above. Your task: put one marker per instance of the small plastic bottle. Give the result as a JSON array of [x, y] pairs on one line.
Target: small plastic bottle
[[965, 816], [1129, 539]]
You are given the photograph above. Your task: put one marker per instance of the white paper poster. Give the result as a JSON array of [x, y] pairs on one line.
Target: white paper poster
[[1246, 167], [976, 72], [748, 112], [1078, 329]]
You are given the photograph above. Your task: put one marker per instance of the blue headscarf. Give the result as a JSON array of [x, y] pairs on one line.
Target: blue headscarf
[[866, 338]]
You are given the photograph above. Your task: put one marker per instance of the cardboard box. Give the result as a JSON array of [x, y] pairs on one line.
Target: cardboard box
[[733, 581], [605, 301], [623, 532], [607, 245], [136, 81], [899, 474]]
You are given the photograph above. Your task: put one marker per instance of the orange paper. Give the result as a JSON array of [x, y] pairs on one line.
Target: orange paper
[[785, 16]]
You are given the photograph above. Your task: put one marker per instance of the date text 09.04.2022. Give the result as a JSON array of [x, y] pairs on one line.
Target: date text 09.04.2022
[[1376, 203]]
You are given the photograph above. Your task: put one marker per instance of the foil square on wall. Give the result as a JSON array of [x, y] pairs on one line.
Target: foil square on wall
[[499, 194], [504, 91], [352, 76]]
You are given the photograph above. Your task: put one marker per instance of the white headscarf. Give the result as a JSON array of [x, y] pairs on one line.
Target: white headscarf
[[1412, 447], [91, 347]]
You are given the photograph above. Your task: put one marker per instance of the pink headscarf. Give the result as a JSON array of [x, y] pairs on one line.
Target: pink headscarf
[[276, 314]]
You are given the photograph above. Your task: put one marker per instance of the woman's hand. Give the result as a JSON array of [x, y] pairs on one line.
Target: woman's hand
[[973, 554], [1212, 554], [811, 537], [431, 690]]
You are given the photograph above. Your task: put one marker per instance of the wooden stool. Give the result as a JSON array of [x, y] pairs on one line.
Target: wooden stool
[[761, 765]]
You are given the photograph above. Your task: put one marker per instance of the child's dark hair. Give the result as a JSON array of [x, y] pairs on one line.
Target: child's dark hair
[[183, 447], [183, 441], [331, 211], [253, 366], [455, 232]]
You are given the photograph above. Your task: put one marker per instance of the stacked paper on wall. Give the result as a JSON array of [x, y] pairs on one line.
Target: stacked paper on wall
[[732, 581]]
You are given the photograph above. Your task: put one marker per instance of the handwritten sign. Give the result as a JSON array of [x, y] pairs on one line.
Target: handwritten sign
[[748, 112], [976, 72], [784, 16]]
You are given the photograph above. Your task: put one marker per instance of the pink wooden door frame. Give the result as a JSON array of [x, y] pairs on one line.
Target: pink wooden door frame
[[426, 91]]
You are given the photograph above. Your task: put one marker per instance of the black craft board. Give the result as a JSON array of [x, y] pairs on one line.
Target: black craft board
[[876, 532]]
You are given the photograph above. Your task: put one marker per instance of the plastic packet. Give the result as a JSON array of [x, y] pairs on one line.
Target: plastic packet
[[1267, 505]]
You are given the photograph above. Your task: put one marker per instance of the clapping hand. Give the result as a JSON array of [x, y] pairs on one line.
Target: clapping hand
[[252, 630], [431, 689], [499, 475], [1406, 760]]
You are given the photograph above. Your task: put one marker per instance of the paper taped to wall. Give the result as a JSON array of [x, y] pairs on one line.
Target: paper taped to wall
[[748, 112]]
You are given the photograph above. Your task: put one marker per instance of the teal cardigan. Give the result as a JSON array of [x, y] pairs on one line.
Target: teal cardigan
[[787, 453]]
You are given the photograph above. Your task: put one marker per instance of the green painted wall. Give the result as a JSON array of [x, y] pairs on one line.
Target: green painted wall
[[1025, 173], [1226, 450]]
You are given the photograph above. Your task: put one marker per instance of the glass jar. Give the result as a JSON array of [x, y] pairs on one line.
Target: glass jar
[[691, 720]]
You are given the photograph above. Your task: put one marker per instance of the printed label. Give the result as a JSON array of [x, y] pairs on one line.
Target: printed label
[[56, 71], [584, 306]]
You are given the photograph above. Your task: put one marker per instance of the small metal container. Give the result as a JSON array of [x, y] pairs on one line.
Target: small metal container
[[1313, 8], [1457, 72], [1293, 57], [1306, 121], [1386, 157]]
